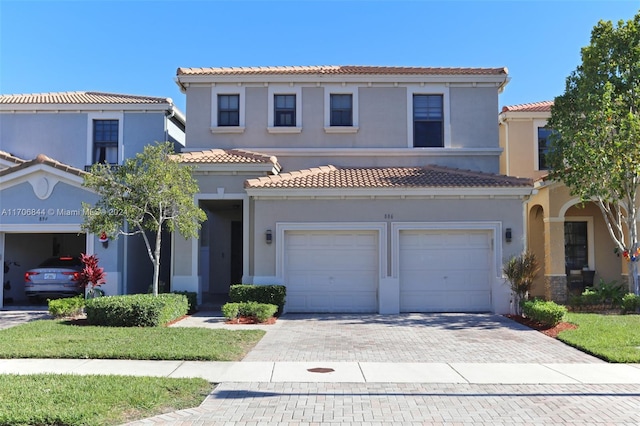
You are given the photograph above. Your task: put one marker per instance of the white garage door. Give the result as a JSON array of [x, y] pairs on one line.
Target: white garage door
[[331, 271], [445, 271]]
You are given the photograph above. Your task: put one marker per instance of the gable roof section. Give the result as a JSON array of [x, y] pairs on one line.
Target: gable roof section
[[341, 70], [331, 177], [543, 106], [9, 160], [81, 98], [41, 159]]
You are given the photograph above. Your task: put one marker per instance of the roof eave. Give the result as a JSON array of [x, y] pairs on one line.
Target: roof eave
[[486, 192]]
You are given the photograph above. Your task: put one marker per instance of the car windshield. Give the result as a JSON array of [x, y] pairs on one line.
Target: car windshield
[[61, 262]]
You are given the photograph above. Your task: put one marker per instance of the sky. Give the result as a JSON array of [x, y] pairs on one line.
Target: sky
[[135, 47]]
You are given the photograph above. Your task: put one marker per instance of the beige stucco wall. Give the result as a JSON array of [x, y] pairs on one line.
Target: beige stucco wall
[[519, 158]]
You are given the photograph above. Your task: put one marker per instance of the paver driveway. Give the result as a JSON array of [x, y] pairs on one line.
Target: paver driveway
[[446, 338], [471, 338]]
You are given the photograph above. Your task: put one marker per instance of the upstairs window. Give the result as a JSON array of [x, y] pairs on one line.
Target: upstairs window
[[228, 110], [284, 113], [428, 121], [105, 141], [543, 147], [341, 110]]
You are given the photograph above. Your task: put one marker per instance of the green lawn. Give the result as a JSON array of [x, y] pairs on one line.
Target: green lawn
[[613, 338], [67, 400], [60, 339]]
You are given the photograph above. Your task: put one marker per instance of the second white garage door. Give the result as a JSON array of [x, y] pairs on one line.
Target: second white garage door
[[331, 271], [445, 271]]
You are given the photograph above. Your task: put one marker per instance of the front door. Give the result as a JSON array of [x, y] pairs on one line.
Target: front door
[[576, 249]]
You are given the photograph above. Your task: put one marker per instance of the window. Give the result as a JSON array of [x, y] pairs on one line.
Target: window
[[105, 141], [228, 110], [341, 110], [428, 121], [576, 250], [284, 113], [543, 147]]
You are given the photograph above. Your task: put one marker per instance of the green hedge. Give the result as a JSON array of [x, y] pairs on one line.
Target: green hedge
[[630, 303], [270, 294], [192, 298], [136, 310], [66, 307], [547, 313], [259, 311]]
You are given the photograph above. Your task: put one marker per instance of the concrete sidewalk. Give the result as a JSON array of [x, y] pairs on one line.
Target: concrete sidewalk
[[340, 372]]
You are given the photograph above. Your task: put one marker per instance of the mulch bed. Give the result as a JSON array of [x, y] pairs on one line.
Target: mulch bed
[[545, 329], [251, 320]]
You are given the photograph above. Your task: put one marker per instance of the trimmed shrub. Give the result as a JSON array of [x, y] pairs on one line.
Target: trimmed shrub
[[136, 310], [270, 294], [192, 298], [260, 311], [630, 303], [547, 313], [68, 307], [231, 310]]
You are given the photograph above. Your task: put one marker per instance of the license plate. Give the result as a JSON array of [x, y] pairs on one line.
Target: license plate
[[49, 276]]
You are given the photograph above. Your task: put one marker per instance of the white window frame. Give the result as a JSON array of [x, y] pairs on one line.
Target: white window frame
[[536, 151], [281, 89], [227, 90], [338, 89], [430, 89], [105, 116]]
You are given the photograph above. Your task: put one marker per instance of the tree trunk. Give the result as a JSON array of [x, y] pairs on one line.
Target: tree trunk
[[156, 261], [633, 277]]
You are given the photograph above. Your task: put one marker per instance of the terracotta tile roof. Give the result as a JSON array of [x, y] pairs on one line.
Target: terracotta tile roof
[[81, 98], [342, 70], [331, 177], [544, 106], [12, 158], [43, 159], [220, 156]]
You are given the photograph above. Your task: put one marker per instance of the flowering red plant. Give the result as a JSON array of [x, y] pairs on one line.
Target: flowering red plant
[[91, 274]]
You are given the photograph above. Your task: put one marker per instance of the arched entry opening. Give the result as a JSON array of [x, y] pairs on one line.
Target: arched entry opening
[[536, 245]]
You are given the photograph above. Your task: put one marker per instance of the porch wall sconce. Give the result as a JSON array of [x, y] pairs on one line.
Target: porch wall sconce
[[268, 236], [507, 235]]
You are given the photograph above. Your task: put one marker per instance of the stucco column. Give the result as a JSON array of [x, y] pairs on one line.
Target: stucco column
[[555, 273]]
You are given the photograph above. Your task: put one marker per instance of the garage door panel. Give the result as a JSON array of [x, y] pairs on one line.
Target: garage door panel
[[445, 271], [331, 271], [445, 301]]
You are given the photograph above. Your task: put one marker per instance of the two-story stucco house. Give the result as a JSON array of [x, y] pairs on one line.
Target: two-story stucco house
[[361, 188], [46, 143], [569, 238]]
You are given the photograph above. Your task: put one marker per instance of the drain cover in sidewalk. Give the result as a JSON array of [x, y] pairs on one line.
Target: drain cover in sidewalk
[[320, 370]]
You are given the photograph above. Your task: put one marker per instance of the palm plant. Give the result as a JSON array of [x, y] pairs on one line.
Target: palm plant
[[520, 271]]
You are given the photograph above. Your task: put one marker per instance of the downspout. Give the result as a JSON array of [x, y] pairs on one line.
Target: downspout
[[503, 122]]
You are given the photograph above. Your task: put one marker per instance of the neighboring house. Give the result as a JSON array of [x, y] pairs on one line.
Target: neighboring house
[[47, 141], [362, 189], [570, 239]]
